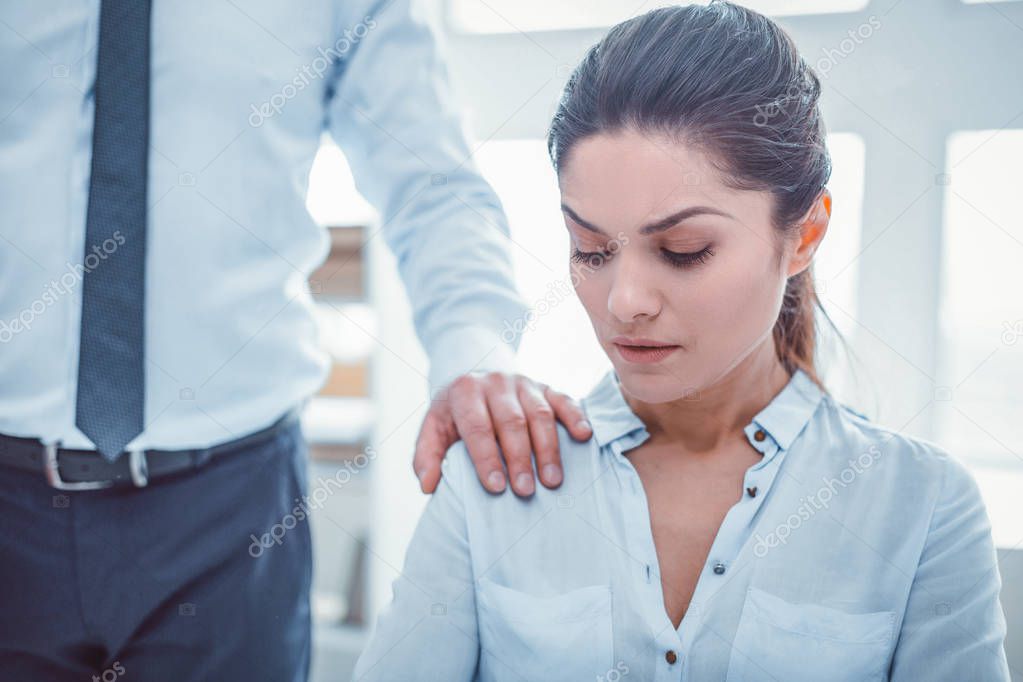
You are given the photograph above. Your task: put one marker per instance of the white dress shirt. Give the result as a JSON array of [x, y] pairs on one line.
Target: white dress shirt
[[241, 92], [863, 555]]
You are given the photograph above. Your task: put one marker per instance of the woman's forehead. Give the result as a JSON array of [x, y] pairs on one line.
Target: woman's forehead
[[628, 180]]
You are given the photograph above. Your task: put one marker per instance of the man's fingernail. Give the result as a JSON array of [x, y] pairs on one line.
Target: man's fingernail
[[495, 480], [552, 473], [583, 425], [524, 483]]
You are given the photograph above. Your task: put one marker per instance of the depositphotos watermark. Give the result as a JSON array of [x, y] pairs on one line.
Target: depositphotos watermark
[[1012, 332], [618, 672], [809, 506], [781, 105], [110, 674], [823, 67], [315, 69], [832, 56], [314, 500], [60, 287]]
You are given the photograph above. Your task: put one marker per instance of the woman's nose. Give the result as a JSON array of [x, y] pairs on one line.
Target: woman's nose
[[632, 292]]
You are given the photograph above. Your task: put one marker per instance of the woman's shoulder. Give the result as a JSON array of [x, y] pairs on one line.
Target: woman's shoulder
[[579, 462], [909, 461]]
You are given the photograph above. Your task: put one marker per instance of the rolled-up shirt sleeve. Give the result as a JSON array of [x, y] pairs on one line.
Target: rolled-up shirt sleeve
[[429, 630], [393, 112], [954, 628]]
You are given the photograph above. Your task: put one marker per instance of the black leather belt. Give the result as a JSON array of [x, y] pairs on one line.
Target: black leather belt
[[67, 469]]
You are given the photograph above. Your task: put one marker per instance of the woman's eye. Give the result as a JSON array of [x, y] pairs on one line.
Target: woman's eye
[[674, 258], [684, 260], [589, 256]]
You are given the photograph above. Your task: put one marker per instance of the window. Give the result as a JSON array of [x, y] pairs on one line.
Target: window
[[332, 198], [981, 308], [981, 321]]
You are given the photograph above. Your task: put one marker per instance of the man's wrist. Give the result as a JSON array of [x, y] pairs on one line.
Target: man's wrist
[[466, 349]]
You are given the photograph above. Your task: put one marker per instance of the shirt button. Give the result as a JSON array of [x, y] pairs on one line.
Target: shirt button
[[759, 435], [719, 568], [752, 492], [671, 657]]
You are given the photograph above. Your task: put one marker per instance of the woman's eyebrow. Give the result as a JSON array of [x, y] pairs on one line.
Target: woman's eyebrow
[[658, 225]]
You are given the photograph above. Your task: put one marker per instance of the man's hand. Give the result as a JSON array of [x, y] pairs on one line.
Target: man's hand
[[485, 409]]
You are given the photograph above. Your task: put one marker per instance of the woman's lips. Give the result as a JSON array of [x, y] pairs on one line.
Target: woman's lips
[[644, 354]]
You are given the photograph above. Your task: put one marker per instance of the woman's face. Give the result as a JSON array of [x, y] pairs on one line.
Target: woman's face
[[665, 254]]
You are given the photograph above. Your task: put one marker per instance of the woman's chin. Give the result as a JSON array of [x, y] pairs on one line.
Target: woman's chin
[[656, 383]]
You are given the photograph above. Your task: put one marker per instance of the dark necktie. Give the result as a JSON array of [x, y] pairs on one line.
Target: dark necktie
[[111, 391]]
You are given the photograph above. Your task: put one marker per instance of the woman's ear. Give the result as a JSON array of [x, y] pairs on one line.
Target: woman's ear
[[811, 232]]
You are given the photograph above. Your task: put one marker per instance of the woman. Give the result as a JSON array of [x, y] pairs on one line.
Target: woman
[[729, 520]]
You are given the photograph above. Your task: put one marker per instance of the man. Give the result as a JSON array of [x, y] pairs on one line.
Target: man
[[156, 331]]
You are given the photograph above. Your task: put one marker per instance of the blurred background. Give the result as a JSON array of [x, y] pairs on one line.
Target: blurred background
[[921, 270]]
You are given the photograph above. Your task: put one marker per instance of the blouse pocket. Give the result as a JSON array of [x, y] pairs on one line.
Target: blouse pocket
[[779, 640], [562, 637]]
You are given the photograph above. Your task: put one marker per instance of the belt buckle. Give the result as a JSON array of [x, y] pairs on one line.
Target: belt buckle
[[52, 470], [137, 463], [139, 467]]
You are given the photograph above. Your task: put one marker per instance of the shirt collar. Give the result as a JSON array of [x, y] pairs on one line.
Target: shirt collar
[[782, 419]]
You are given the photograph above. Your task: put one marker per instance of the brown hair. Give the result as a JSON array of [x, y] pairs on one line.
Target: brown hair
[[730, 81]]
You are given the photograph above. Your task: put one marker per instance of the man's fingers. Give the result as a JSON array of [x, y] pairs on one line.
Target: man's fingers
[[542, 432], [514, 412], [431, 446], [569, 413], [512, 428], [472, 420]]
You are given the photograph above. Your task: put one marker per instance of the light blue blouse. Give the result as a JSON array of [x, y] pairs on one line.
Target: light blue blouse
[[864, 554]]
